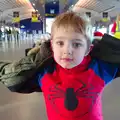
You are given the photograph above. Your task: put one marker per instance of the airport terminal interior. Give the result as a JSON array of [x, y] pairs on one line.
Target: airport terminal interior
[[23, 23]]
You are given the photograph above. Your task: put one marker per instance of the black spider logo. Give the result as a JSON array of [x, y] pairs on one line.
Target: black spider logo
[[70, 99]]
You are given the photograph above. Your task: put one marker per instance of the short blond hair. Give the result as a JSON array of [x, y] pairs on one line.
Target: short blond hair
[[75, 22]]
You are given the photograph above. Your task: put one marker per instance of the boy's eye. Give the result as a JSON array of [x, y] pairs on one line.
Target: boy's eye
[[60, 43], [76, 45]]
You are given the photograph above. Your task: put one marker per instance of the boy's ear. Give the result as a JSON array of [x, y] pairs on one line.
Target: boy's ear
[[90, 48]]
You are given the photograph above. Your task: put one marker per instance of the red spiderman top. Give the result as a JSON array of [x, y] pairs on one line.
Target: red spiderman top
[[74, 94]]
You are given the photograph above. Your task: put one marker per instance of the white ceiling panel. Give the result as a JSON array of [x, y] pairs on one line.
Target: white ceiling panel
[[99, 6]]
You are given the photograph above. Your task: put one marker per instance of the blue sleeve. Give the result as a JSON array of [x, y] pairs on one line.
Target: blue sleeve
[[49, 68], [40, 76], [106, 71]]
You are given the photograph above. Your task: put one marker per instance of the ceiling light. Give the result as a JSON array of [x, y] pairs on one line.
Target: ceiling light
[[33, 4], [54, 2]]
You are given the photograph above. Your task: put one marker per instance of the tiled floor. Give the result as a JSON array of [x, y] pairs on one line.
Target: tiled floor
[[13, 49], [14, 106]]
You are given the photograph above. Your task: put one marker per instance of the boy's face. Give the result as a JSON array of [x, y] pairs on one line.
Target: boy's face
[[69, 48]]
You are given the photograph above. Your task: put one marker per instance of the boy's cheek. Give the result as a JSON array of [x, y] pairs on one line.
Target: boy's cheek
[[56, 56]]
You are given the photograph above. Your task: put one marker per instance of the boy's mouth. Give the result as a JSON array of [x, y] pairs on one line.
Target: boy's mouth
[[67, 59]]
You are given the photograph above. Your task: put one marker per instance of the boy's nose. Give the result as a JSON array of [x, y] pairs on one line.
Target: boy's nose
[[68, 50]]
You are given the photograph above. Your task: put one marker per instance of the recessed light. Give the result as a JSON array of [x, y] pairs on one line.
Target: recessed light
[[33, 4]]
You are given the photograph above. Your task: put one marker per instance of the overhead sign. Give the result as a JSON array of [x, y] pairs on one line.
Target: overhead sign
[[16, 17], [51, 9], [105, 14], [88, 14], [105, 17], [35, 17]]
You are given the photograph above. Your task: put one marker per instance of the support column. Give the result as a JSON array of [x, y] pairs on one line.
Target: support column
[[44, 25]]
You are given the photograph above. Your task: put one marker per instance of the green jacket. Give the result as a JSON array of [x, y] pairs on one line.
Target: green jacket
[[14, 75]]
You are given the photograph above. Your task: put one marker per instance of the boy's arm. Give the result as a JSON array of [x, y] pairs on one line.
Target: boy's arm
[[14, 75], [34, 83], [108, 50], [22, 76]]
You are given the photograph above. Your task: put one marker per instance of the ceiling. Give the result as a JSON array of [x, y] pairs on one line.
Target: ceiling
[[7, 7], [96, 7]]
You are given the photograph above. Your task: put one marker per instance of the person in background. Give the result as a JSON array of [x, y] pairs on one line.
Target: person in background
[[14, 34], [0, 34], [116, 27], [9, 34]]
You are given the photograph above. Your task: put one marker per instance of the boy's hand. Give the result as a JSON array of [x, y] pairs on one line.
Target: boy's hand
[[34, 50]]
